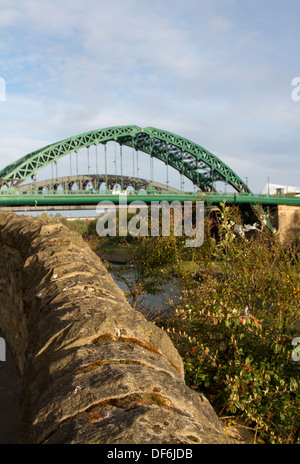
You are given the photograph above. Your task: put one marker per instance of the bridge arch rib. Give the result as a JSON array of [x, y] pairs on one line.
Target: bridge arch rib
[[190, 159]]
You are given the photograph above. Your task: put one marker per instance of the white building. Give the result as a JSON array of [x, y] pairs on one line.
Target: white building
[[277, 189]]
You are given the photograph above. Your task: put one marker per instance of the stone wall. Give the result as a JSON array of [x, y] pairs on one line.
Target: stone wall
[[93, 369]]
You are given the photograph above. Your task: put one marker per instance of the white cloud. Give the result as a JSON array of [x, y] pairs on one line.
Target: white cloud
[[214, 72]]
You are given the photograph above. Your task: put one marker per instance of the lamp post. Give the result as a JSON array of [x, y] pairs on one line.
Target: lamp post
[[268, 185]]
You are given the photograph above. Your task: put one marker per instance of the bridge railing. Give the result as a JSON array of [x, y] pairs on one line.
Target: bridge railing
[[32, 191], [14, 192]]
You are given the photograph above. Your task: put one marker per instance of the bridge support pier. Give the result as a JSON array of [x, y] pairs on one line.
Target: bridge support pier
[[287, 222]]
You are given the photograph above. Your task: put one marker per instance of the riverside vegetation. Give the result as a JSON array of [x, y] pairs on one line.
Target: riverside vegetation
[[235, 321]]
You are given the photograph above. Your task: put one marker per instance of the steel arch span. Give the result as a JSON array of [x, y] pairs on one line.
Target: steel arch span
[[191, 160]]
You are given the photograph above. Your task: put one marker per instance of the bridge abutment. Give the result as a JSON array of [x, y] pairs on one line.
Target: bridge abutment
[[287, 222], [93, 369]]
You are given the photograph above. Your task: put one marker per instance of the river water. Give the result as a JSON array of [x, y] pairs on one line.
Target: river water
[[152, 305]]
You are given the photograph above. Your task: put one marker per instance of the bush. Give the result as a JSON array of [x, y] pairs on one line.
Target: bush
[[234, 330]]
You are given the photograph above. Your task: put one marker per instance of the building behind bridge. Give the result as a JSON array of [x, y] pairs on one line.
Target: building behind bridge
[[278, 189]]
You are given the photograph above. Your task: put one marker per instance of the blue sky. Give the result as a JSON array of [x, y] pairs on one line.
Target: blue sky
[[217, 72]]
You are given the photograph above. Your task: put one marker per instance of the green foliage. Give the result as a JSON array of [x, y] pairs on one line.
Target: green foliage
[[238, 315], [149, 269], [234, 329]]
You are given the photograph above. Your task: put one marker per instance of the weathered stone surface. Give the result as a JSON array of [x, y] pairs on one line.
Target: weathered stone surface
[[132, 423], [94, 370]]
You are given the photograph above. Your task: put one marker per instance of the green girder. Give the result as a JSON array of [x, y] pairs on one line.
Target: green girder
[[191, 160]]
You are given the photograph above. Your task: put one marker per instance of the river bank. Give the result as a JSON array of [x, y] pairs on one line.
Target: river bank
[[115, 258], [114, 251]]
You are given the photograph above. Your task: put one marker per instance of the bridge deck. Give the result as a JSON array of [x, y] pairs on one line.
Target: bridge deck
[[75, 198]]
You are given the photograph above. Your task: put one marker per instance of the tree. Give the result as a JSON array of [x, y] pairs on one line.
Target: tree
[[235, 328], [152, 260]]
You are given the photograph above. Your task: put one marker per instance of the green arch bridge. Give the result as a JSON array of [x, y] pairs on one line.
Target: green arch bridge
[[191, 160]]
